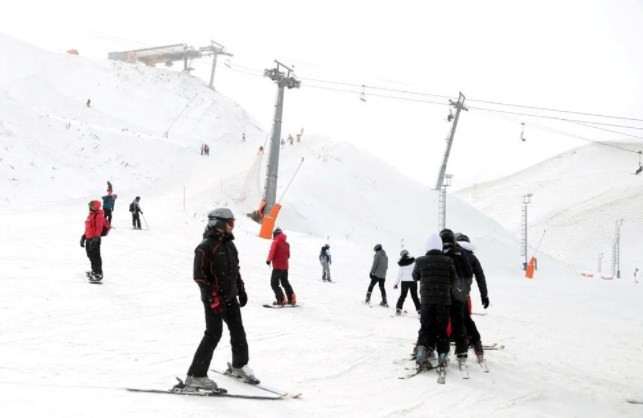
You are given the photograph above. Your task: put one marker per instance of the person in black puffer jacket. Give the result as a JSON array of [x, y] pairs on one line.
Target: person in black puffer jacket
[[216, 272], [436, 274], [460, 292]]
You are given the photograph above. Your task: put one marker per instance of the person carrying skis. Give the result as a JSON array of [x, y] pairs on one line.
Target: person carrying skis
[[109, 201], [325, 260], [405, 275], [459, 292], [436, 274], [278, 256], [378, 274], [216, 272], [472, 331], [91, 239], [135, 208]]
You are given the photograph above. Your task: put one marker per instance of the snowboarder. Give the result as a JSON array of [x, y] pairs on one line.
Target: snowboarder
[[278, 256], [326, 260], [243, 137], [405, 275], [91, 239], [216, 272], [472, 331], [378, 274], [459, 292], [109, 201], [437, 275], [135, 208], [89, 102], [636, 274]]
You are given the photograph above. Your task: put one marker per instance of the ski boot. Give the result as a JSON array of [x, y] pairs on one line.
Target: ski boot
[[398, 312], [368, 298], [95, 277], [193, 384], [280, 303], [384, 304], [244, 373], [293, 299], [443, 362]]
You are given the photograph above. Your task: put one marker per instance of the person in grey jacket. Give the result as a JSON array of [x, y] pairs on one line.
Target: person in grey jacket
[[378, 274]]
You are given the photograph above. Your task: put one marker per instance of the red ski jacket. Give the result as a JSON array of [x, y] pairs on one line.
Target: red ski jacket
[[94, 222], [279, 253]]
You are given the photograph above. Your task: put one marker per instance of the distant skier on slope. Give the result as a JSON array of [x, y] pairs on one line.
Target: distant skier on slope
[[405, 275], [378, 274], [636, 274], [326, 260], [436, 274], [109, 201], [278, 256], [459, 292], [216, 272], [91, 239], [135, 208], [472, 331]]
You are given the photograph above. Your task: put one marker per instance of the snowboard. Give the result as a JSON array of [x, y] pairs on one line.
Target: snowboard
[[281, 306]]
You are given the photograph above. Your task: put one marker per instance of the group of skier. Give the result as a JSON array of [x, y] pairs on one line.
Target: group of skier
[[445, 275], [98, 224]]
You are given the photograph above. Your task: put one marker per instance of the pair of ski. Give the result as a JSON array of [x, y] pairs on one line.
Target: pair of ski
[[220, 392], [441, 370]]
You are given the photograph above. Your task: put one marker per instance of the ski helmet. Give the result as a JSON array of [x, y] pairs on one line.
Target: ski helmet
[[327, 247], [404, 253], [219, 217], [378, 247], [463, 237], [447, 235], [276, 232]]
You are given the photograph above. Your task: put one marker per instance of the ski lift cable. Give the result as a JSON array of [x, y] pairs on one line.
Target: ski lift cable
[[375, 95], [560, 132]]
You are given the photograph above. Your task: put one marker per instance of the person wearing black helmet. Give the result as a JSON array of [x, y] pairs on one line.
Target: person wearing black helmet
[[325, 260], [459, 292], [378, 274], [472, 330], [278, 256], [216, 272]]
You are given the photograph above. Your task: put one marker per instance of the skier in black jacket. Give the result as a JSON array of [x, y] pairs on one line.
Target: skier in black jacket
[[472, 331], [216, 271], [460, 292], [436, 274]]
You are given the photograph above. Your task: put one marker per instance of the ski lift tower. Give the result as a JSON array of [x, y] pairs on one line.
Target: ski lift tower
[[526, 200], [283, 80], [616, 250], [215, 49], [442, 208]]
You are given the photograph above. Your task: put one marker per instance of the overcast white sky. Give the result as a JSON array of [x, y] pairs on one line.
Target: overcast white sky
[[578, 55]]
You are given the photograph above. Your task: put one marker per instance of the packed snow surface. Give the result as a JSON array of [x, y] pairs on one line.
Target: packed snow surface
[[69, 348]]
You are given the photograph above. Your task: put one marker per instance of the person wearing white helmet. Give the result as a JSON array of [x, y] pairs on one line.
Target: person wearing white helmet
[[223, 293]]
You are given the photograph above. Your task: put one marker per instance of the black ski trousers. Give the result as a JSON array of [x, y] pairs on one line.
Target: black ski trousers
[[281, 276], [472, 331], [136, 220], [458, 330], [108, 215], [213, 330], [92, 247], [380, 282], [433, 327], [409, 287]]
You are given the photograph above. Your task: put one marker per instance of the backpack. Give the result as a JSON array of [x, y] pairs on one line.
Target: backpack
[[131, 207]]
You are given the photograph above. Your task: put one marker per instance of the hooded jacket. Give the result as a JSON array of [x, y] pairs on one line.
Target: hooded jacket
[[476, 267], [109, 201], [95, 221], [436, 274], [405, 271], [216, 267], [380, 264], [279, 252]]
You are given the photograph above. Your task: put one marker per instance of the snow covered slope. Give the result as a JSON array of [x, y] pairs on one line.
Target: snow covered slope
[[69, 348], [577, 197]]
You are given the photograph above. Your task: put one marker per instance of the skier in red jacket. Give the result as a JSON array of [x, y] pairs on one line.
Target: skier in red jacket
[[91, 239], [278, 256]]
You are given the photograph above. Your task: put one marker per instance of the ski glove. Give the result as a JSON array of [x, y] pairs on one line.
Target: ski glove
[[395, 287], [371, 276], [485, 302], [82, 240], [243, 298], [215, 303], [268, 262]]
